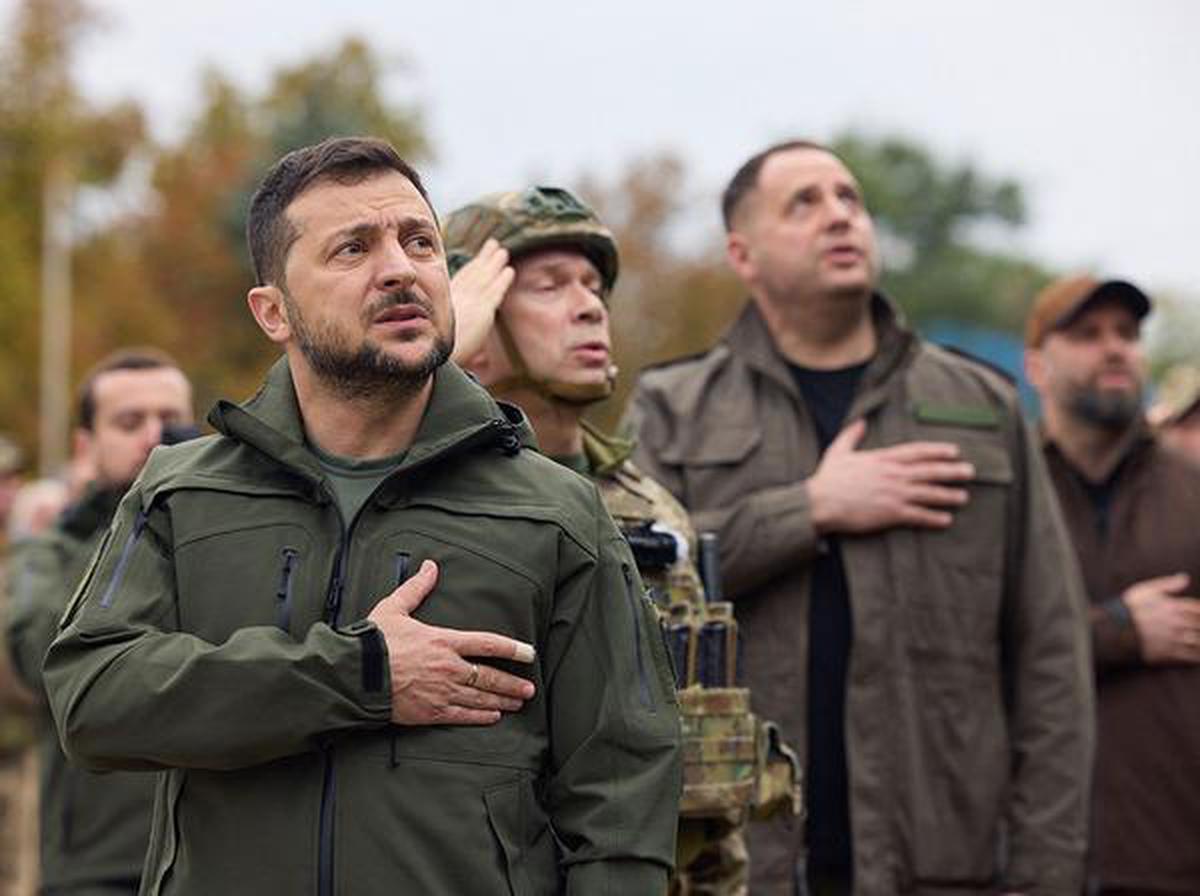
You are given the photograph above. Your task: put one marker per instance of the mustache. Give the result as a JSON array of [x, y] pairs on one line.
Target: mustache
[[397, 299]]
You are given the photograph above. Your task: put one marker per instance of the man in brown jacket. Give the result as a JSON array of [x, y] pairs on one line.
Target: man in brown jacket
[[1131, 506], [911, 608]]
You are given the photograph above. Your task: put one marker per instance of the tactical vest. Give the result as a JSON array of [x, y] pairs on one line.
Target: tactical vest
[[735, 765]]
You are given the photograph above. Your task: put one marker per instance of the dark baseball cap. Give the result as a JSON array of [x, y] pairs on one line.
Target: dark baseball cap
[[1061, 303]]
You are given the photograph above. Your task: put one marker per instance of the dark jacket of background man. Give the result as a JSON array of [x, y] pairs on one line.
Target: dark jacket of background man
[[1148, 717], [94, 827]]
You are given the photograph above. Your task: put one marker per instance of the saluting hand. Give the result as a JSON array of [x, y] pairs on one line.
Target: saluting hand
[[1167, 621], [476, 291], [433, 682], [912, 484]]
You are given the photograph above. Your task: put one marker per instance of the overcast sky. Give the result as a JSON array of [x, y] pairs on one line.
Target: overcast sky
[[1094, 105]]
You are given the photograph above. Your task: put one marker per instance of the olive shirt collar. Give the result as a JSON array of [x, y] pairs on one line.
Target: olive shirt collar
[[605, 454]]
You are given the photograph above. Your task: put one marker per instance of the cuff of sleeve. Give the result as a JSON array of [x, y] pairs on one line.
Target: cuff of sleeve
[[374, 655], [788, 510], [770, 527], [1114, 636], [618, 876], [1118, 611]]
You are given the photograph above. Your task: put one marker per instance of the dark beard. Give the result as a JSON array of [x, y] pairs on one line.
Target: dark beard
[[1111, 411], [366, 372]]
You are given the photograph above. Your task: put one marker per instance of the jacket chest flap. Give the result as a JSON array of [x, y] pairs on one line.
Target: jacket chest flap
[[741, 443], [276, 560], [941, 589]]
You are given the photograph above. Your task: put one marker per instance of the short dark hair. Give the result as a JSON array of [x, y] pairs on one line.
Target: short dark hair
[[138, 358], [344, 160], [746, 178]]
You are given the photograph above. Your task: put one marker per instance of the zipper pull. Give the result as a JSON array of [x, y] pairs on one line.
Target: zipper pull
[[333, 602], [284, 594], [285, 577]]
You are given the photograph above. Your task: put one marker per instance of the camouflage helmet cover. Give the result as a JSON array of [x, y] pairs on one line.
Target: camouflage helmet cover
[[528, 220], [1178, 395]]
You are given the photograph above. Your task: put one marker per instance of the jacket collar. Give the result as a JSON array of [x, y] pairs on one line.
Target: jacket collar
[[751, 340], [605, 454], [459, 410], [93, 511], [1135, 443]]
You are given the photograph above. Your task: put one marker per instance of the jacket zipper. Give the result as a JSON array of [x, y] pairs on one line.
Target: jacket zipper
[[333, 606], [284, 594], [636, 610], [139, 525]]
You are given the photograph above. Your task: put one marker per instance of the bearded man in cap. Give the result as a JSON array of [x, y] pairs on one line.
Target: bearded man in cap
[[1131, 507]]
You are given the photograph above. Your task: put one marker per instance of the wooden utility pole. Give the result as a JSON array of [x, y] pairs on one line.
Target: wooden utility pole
[[55, 416]]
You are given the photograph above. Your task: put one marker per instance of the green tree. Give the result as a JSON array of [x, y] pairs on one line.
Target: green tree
[[185, 261], [668, 301], [929, 215], [47, 129], [673, 301]]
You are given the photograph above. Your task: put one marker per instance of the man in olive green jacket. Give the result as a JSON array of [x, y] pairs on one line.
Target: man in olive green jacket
[[489, 725], [912, 610], [94, 827]]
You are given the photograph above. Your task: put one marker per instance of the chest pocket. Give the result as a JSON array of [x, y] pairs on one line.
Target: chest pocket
[[233, 572], [479, 588], [975, 542], [953, 609], [715, 469]]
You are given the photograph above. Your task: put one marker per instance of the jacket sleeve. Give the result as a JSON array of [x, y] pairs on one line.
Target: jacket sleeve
[[765, 533], [38, 594], [613, 794], [1049, 688], [129, 690]]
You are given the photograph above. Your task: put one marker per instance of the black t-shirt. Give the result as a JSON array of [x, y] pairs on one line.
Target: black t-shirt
[[828, 395]]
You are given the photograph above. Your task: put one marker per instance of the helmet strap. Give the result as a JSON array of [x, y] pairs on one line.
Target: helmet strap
[[551, 390]]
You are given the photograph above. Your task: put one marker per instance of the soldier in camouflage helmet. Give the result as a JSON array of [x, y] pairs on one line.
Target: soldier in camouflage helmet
[[507, 226], [533, 274], [1176, 410]]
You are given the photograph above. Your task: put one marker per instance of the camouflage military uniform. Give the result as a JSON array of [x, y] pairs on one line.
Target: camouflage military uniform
[[711, 853], [726, 748]]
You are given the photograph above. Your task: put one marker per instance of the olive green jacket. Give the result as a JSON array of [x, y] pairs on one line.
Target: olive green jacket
[[221, 635], [94, 828], [968, 700]]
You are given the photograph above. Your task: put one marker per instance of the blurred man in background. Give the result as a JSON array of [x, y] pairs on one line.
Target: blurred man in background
[[94, 828], [18, 793], [1132, 509], [907, 593]]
